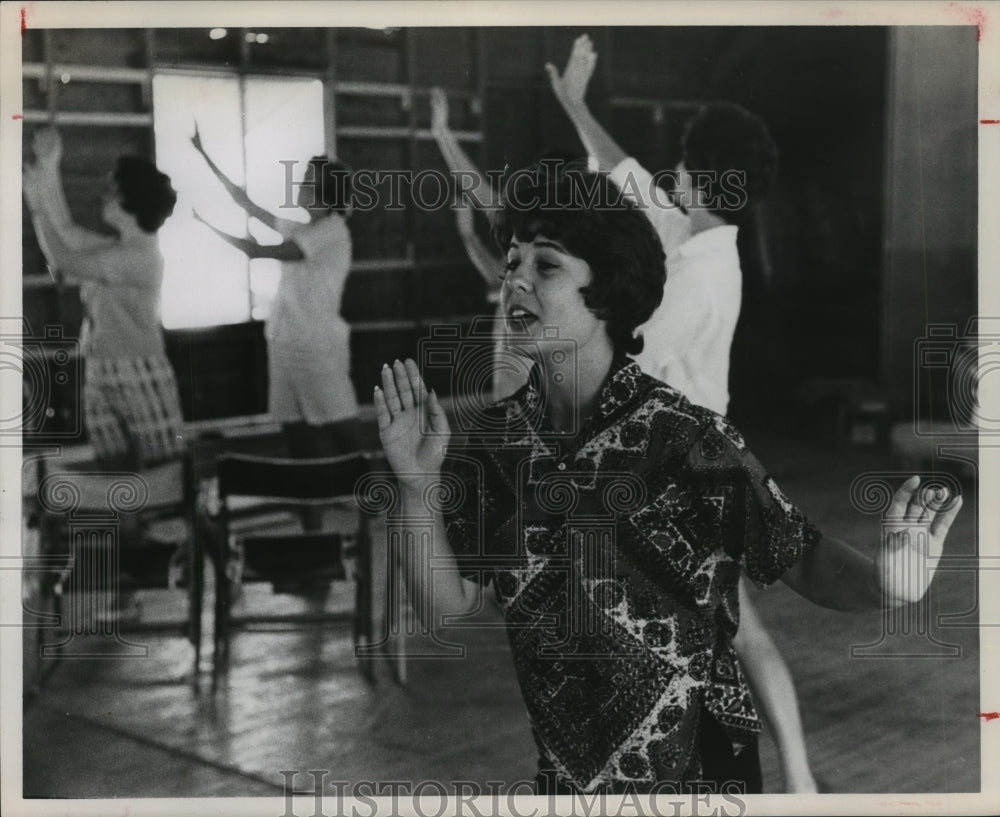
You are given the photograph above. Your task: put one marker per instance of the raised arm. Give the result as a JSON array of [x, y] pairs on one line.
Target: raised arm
[[239, 195], [833, 574], [30, 188], [469, 178], [403, 409], [774, 694], [487, 264], [64, 260], [287, 250], [49, 198], [570, 89]]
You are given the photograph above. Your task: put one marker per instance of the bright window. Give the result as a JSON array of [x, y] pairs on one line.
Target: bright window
[[248, 125]]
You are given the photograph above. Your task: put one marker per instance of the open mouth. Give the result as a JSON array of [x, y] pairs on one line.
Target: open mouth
[[520, 319]]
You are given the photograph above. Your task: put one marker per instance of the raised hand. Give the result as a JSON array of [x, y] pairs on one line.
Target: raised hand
[[48, 147], [439, 110], [571, 87], [916, 526], [412, 425]]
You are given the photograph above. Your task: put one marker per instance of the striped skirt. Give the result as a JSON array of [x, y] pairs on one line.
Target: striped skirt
[[131, 408]]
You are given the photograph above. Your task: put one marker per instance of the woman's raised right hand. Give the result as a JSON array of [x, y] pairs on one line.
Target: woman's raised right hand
[[570, 87], [48, 148], [412, 424]]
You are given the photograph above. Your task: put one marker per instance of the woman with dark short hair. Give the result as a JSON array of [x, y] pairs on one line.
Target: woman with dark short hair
[[613, 517], [131, 408]]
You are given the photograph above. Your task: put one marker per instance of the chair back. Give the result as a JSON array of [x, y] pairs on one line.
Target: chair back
[[290, 480], [254, 493]]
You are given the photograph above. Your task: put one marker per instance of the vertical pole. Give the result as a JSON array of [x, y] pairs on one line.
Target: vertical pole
[[330, 94]]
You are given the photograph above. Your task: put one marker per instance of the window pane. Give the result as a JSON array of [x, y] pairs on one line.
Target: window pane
[[205, 280]]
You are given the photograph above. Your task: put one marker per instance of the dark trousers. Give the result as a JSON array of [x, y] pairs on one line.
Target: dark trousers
[[720, 766]]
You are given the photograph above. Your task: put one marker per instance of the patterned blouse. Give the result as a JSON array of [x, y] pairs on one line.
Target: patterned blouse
[[615, 556]]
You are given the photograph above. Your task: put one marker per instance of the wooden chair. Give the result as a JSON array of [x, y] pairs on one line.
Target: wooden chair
[[255, 544], [105, 526]]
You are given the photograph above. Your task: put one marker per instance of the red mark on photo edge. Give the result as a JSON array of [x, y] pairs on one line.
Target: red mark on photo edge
[[17, 116], [976, 16], [24, 20], [989, 716], [989, 121]]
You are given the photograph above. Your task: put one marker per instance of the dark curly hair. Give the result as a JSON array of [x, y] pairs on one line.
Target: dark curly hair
[[144, 191], [726, 137], [588, 215], [333, 183]]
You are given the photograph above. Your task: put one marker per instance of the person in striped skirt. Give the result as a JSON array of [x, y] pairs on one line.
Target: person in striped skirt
[[131, 406]]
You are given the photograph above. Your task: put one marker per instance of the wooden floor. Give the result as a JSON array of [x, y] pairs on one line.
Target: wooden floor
[[139, 727]]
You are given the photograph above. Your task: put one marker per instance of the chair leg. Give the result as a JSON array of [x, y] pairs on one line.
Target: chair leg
[[362, 624], [366, 589], [196, 600], [58, 591], [358, 610], [213, 545], [223, 601]]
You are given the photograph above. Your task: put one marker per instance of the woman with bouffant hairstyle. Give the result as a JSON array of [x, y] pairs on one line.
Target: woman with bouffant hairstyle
[[131, 408]]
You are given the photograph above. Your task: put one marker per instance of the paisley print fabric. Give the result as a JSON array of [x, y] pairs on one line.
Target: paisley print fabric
[[615, 555]]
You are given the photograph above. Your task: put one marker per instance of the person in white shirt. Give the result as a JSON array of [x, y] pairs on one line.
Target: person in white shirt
[[308, 341], [728, 164]]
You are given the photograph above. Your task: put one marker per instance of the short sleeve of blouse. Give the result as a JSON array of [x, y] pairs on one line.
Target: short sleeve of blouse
[[323, 237], [757, 523], [636, 183]]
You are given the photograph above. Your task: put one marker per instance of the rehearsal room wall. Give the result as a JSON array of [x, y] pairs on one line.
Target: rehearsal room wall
[[931, 209], [812, 254]]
